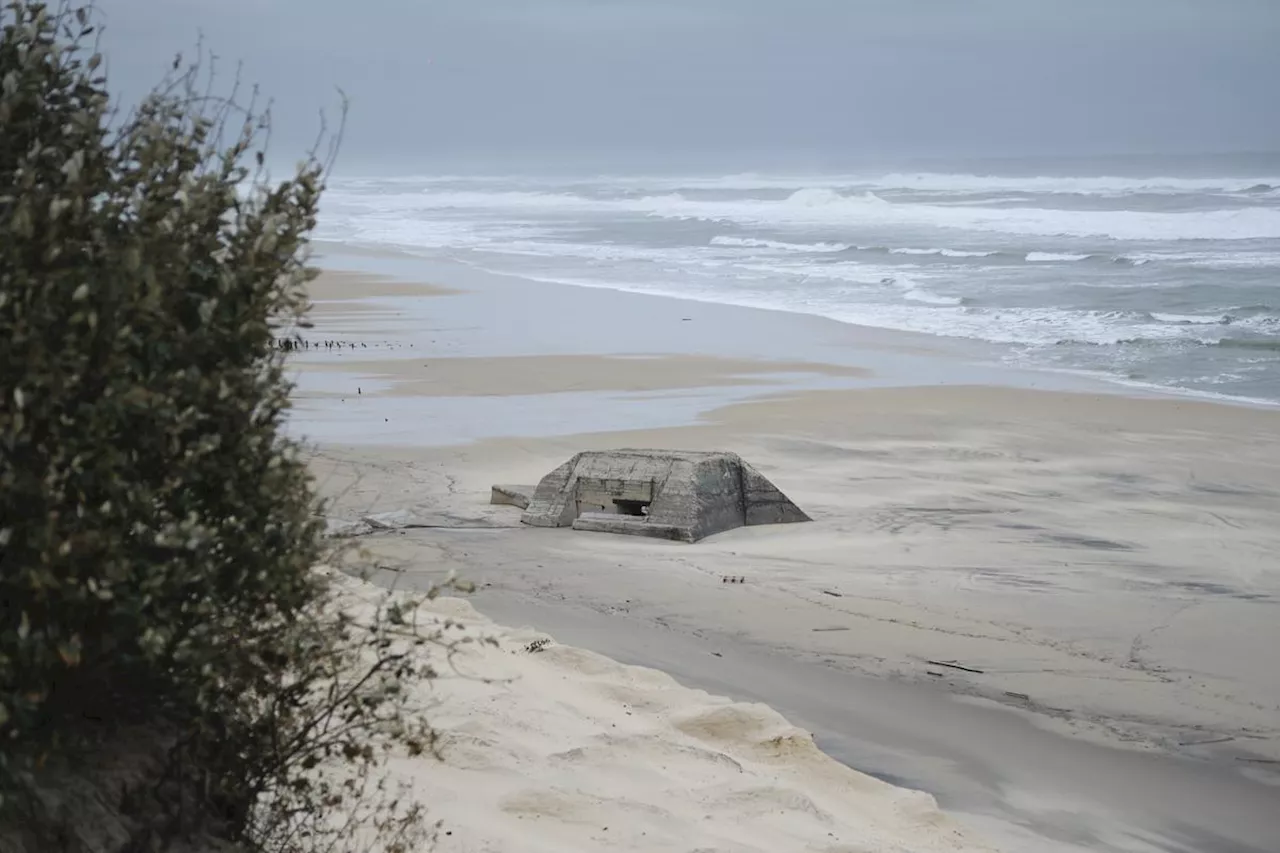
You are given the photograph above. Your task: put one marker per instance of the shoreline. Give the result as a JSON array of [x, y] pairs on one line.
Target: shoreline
[[403, 266], [939, 486]]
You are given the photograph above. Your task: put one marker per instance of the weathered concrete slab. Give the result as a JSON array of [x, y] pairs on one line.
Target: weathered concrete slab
[[669, 494], [517, 496], [602, 522]]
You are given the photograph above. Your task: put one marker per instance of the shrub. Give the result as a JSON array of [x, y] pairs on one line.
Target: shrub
[[157, 528]]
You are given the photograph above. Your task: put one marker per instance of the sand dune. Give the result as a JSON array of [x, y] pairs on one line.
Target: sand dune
[[562, 750]]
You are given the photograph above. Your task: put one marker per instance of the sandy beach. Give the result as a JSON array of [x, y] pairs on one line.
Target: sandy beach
[[1047, 602], [547, 747]]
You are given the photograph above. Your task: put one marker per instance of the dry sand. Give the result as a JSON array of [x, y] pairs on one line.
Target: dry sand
[[559, 749], [1105, 563]]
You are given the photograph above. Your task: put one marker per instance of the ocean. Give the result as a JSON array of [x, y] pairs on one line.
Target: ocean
[[1169, 281]]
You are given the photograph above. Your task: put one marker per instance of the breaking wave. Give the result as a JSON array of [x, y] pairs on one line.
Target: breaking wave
[[778, 245], [946, 253], [827, 208], [1050, 257], [962, 183]]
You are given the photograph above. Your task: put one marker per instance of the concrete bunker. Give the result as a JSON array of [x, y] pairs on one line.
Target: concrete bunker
[[666, 494]]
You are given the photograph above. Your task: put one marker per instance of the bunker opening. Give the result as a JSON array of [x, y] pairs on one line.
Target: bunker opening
[[614, 496], [630, 507]]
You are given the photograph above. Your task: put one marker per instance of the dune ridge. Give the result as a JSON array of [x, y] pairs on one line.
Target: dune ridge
[[561, 749]]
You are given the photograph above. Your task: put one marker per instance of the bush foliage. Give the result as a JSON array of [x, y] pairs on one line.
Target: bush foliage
[[157, 528]]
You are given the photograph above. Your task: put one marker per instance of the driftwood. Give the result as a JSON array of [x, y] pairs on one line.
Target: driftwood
[[955, 666]]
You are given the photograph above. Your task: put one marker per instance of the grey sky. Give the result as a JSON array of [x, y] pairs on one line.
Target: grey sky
[[441, 83]]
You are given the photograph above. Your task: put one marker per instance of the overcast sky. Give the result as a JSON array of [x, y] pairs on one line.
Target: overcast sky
[[440, 84]]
